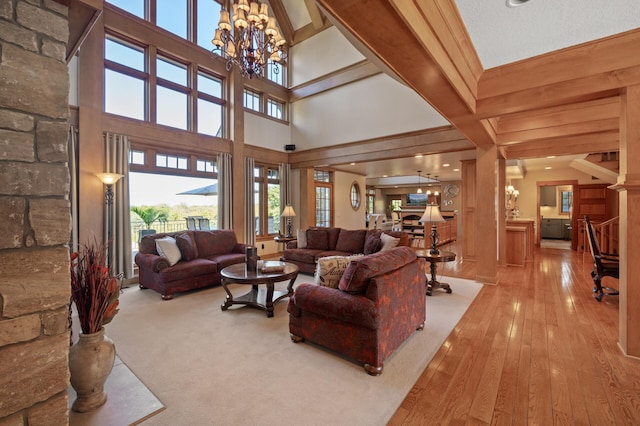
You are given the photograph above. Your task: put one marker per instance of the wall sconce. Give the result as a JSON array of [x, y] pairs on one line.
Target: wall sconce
[[511, 200], [432, 214], [288, 213], [109, 179]]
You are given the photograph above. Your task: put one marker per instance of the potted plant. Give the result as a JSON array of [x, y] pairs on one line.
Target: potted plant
[[95, 292], [149, 214]]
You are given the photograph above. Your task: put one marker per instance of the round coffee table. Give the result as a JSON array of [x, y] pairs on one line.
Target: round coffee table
[[262, 298]]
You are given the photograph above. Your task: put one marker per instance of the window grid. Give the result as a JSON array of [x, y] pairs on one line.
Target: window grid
[[136, 157], [172, 162], [275, 109], [252, 100]]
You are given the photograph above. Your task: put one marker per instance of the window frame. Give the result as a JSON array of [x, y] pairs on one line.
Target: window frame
[[262, 179]]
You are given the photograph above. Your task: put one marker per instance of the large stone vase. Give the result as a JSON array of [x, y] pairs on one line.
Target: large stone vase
[[90, 362]]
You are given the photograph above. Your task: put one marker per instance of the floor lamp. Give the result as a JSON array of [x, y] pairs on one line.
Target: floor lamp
[[109, 179], [432, 214], [288, 213]]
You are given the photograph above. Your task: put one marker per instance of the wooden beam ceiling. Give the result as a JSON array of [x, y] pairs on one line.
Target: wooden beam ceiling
[[568, 97], [432, 141]]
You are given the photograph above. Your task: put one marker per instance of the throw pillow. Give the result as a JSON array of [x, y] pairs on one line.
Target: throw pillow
[[302, 238], [168, 248], [388, 242], [329, 270], [372, 243], [351, 241], [317, 239], [187, 246]]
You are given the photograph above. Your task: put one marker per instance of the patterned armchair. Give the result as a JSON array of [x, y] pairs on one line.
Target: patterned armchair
[[379, 302]]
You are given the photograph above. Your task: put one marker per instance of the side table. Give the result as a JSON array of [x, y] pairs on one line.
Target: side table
[[284, 240], [433, 259]]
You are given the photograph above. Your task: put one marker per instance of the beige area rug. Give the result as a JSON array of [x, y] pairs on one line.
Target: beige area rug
[[238, 367]]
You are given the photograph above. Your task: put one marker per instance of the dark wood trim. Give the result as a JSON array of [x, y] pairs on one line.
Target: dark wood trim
[[341, 77]]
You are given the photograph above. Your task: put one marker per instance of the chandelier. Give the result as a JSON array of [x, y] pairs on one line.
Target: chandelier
[[251, 41]]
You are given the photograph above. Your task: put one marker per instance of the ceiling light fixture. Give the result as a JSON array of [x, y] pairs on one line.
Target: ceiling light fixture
[[251, 41], [516, 3], [419, 189]]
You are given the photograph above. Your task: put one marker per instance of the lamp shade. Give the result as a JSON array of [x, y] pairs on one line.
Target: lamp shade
[[431, 214], [109, 178], [288, 211]]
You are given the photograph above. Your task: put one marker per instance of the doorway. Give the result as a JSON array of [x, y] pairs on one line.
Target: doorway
[[556, 225]]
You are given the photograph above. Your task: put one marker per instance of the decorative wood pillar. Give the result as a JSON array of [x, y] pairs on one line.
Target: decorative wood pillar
[[468, 172], [629, 186], [91, 146], [502, 215], [237, 152], [486, 213]]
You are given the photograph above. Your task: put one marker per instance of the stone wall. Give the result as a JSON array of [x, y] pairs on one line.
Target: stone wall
[[34, 213]]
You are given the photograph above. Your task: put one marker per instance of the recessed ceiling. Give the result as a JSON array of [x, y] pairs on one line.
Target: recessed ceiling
[[502, 34]]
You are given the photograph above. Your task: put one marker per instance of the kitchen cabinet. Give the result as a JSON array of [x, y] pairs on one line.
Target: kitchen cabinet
[[554, 228], [548, 196]]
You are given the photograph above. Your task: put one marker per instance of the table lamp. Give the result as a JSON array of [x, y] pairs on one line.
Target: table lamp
[[432, 214], [288, 213]]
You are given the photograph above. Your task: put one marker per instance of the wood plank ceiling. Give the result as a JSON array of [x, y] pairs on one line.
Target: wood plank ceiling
[[561, 103]]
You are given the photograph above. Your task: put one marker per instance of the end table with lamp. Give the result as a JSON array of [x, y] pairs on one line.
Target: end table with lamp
[[433, 255], [288, 213]]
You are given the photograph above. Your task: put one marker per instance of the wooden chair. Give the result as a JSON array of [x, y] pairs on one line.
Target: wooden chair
[[604, 264]]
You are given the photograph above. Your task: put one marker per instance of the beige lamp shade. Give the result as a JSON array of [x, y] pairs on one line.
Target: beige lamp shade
[[109, 178], [288, 211], [431, 214]]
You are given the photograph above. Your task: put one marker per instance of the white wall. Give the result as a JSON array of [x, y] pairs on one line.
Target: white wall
[[266, 133], [345, 216], [320, 55], [370, 108]]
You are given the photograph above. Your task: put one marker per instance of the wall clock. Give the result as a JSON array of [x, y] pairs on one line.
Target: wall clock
[[451, 190]]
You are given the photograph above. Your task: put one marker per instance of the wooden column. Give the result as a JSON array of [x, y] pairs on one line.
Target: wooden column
[[629, 186], [468, 172], [502, 216], [237, 152], [486, 213], [91, 146]]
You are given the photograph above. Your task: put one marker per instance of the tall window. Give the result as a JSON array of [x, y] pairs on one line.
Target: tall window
[[565, 202], [171, 93], [275, 73], [172, 16], [209, 104], [324, 202], [135, 7], [208, 11], [125, 78], [267, 200], [371, 200], [127, 89]]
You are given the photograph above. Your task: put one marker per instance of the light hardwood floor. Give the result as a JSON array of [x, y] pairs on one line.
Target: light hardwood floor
[[534, 349]]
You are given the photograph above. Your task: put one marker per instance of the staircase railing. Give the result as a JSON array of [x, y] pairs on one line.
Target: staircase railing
[[607, 234]]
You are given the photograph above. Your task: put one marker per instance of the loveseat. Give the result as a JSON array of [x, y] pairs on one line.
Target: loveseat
[[200, 257], [315, 243], [377, 305]]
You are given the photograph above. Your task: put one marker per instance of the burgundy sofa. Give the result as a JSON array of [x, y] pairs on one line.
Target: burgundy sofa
[[378, 304], [323, 242], [204, 255]]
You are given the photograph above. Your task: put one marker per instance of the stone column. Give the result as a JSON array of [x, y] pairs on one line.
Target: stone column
[[35, 215]]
